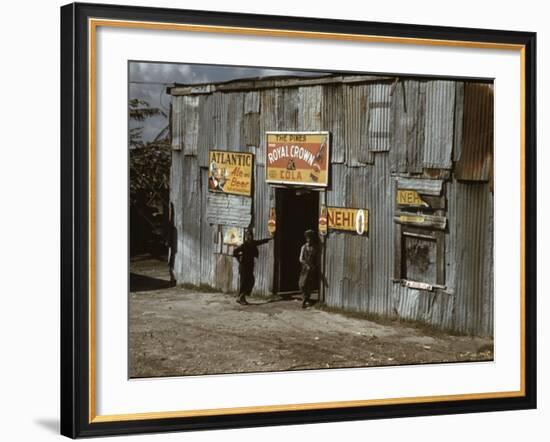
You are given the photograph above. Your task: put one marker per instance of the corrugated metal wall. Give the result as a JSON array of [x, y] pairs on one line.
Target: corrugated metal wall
[[474, 163], [471, 208], [382, 130], [264, 265], [379, 117], [408, 104], [438, 125]]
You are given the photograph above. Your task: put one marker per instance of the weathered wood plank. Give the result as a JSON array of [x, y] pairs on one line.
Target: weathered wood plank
[[422, 186], [428, 221]]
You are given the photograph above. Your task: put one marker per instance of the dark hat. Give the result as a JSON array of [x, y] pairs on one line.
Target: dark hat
[[309, 233]]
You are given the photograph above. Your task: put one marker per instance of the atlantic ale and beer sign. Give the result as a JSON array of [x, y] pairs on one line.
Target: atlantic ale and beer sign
[[230, 172], [299, 158]]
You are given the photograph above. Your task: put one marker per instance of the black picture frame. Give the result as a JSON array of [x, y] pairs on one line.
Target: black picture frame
[[76, 403]]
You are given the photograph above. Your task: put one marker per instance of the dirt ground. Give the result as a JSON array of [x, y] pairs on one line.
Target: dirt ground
[[176, 331]]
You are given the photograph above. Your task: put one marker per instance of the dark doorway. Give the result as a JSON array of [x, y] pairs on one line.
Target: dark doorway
[[297, 211]]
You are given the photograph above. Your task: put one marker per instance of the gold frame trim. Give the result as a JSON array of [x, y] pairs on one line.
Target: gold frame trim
[[93, 24]]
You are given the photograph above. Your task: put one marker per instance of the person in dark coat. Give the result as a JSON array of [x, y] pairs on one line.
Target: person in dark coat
[[308, 259], [246, 253]]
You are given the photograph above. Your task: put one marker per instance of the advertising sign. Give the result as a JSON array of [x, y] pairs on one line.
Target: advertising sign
[[230, 172], [232, 236], [299, 158], [272, 222], [351, 220], [410, 198], [323, 227]]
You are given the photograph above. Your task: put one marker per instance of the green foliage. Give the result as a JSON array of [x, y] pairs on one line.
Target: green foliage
[[149, 170], [149, 162]]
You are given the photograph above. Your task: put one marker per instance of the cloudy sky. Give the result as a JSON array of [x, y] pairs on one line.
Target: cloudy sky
[[148, 81]]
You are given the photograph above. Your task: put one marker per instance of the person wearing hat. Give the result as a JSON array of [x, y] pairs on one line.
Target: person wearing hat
[[246, 253], [308, 259]]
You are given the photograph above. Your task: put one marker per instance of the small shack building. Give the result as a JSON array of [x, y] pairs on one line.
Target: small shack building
[[413, 155]]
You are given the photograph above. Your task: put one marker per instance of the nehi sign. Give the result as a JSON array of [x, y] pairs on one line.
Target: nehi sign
[[351, 220]]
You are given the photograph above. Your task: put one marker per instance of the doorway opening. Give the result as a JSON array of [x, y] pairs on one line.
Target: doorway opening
[[297, 210]]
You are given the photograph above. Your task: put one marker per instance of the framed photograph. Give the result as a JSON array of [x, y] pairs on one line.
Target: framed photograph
[[273, 220]]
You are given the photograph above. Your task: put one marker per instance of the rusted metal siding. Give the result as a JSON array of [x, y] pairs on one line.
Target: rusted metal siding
[[309, 110], [466, 303], [459, 120], [177, 123], [229, 210], [356, 120], [408, 118], [439, 124], [269, 99], [332, 119], [250, 124], [235, 113], [379, 268], [227, 113], [288, 108], [423, 117], [223, 273], [252, 102], [265, 262], [487, 309], [335, 241], [475, 159], [347, 251], [176, 192], [205, 138], [423, 186], [356, 248], [190, 233], [359, 268], [275, 83], [191, 125], [208, 236], [471, 245], [185, 124], [219, 121], [434, 308], [379, 102]]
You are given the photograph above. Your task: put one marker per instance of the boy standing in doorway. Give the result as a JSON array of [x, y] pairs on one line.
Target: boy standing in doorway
[[308, 259], [246, 253]]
